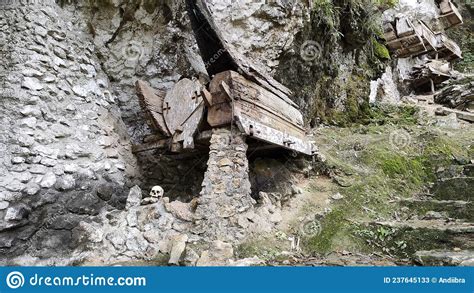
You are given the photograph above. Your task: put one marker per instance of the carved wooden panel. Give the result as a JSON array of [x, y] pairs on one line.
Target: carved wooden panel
[[180, 103]]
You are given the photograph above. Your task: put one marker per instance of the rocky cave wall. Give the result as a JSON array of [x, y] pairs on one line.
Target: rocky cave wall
[[65, 151]]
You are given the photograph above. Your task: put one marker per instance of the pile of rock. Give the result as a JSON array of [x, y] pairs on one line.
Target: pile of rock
[[458, 94]]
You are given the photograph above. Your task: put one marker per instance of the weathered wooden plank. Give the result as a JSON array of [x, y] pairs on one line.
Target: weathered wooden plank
[[180, 102], [151, 100], [241, 88], [185, 134], [270, 135], [206, 95], [404, 27], [446, 48], [268, 118], [159, 144], [429, 37], [445, 6], [220, 112]]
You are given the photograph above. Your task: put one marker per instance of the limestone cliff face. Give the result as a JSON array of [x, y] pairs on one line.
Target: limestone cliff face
[[65, 151]]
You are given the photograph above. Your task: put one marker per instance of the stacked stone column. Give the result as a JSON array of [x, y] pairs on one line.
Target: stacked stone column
[[225, 189]]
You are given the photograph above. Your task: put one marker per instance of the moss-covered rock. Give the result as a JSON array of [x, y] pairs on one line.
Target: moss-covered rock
[[382, 171], [332, 86], [380, 50]]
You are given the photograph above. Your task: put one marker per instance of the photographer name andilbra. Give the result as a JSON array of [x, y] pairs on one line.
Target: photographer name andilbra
[[424, 280]]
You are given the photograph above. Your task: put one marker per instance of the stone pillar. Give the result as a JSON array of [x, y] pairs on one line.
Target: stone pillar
[[225, 189]]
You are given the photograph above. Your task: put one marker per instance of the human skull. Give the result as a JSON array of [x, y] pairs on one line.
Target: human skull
[[157, 192]]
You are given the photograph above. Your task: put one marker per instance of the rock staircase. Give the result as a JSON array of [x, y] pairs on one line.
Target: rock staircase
[[438, 228]]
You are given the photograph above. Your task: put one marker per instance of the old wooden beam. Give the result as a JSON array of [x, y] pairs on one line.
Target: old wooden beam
[[151, 101], [153, 145]]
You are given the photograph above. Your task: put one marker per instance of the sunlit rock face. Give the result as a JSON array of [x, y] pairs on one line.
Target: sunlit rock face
[[261, 30]]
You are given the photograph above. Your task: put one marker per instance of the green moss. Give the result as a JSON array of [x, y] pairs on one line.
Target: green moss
[[386, 4], [381, 172], [405, 241], [325, 15], [383, 114], [380, 50], [399, 167], [332, 224]]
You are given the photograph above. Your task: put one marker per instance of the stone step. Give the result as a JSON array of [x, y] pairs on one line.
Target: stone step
[[469, 170], [456, 188], [432, 234], [440, 225], [444, 258], [458, 209], [455, 171]]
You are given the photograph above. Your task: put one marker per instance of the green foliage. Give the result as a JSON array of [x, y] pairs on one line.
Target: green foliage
[[382, 114], [386, 4], [325, 15], [332, 224], [380, 50], [261, 247], [463, 35], [400, 167]]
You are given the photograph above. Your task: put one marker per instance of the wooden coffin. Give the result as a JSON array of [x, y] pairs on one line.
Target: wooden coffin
[[232, 100], [407, 42], [446, 48], [257, 112], [450, 13], [416, 38], [242, 94], [176, 115]]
